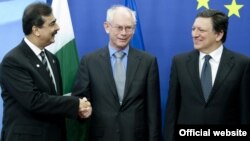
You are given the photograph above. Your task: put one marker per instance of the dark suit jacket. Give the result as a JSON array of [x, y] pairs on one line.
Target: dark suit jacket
[[186, 104], [245, 93], [138, 118], [33, 110]]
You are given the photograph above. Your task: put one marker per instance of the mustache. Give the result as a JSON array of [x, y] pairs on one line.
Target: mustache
[[54, 33]]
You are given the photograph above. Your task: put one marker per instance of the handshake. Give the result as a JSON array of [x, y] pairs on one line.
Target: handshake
[[85, 108]]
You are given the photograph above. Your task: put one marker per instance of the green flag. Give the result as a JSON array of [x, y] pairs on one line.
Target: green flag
[[65, 49]]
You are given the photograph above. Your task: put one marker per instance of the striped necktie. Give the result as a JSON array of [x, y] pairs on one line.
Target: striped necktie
[[45, 63]]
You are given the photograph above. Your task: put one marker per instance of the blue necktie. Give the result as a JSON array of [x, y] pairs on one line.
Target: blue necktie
[[119, 74], [206, 77]]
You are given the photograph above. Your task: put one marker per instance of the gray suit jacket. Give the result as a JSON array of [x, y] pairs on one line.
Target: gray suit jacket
[[33, 110], [186, 104], [138, 118]]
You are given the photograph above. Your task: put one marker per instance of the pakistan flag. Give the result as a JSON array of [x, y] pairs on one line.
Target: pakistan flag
[[65, 49]]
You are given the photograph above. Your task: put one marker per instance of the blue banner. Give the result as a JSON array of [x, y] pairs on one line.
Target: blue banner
[[137, 40]]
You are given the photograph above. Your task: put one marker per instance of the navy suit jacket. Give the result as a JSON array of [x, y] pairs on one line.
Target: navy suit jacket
[[33, 110]]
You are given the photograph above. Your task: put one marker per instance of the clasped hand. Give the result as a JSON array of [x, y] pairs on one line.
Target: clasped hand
[[85, 108]]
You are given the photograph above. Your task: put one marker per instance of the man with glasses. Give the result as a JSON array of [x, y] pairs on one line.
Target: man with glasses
[[122, 84]]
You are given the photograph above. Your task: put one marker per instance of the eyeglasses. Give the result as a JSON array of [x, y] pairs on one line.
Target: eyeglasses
[[128, 29]]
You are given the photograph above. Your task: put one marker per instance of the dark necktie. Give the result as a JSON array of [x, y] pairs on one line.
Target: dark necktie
[[119, 75], [45, 63], [206, 77]]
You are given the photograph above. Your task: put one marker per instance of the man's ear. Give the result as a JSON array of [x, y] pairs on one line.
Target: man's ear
[[35, 31], [106, 27], [219, 36]]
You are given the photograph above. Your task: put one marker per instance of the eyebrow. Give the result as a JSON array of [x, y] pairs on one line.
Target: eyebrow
[[52, 22], [123, 25]]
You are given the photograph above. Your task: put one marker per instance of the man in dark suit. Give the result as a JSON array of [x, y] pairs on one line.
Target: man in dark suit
[[128, 110], [218, 102], [34, 108]]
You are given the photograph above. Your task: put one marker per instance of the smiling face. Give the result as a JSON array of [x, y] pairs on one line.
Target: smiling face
[[205, 39], [46, 33], [121, 29]]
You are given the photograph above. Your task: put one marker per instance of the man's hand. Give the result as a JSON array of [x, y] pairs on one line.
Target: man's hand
[[85, 108]]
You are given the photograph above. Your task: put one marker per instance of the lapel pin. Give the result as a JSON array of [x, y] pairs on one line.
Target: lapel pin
[[37, 65]]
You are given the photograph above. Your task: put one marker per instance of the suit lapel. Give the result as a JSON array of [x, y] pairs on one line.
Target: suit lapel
[[107, 71], [132, 66], [34, 60], [36, 63], [226, 65], [193, 68]]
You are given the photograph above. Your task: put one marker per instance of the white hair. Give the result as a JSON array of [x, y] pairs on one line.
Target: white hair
[[111, 12]]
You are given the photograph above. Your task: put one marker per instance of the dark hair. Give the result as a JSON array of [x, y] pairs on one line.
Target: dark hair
[[219, 21], [32, 16]]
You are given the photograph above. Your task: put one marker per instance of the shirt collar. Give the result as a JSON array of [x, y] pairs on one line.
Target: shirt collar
[[112, 50], [33, 47], [216, 54]]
